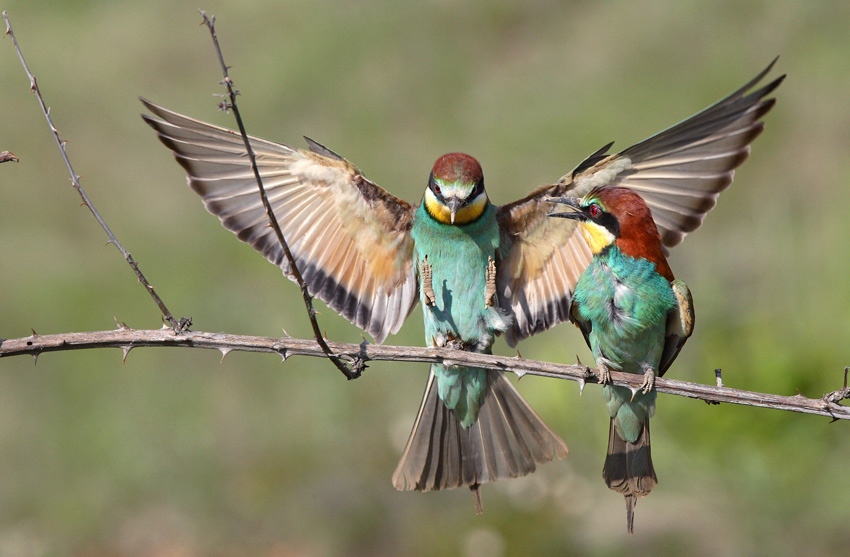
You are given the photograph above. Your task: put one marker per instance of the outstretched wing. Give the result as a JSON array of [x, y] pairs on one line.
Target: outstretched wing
[[678, 172], [350, 238], [541, 260]]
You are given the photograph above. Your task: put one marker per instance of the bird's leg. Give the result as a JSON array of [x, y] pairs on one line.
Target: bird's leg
[[490, 292], [604, 372], [648, 381], [427, 287]]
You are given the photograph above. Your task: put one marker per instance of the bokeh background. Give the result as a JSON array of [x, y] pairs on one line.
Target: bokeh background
[[174, 453]]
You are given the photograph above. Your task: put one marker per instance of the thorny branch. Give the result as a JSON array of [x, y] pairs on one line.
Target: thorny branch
[[178, 326], [180, 336], [358, 365], [126, 339]]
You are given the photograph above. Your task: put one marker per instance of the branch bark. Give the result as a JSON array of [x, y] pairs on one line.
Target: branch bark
[[178, 325], [126, 339], [357, 366]]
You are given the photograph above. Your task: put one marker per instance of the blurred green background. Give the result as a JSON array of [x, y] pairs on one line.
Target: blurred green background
[[174, 453]]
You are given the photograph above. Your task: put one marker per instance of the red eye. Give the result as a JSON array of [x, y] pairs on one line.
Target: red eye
[[594, 210], [436, 189]]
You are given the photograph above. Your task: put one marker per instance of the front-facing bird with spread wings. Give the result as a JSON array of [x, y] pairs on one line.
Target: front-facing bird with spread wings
[[478, 269]]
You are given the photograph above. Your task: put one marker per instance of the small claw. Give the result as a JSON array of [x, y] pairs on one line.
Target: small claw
[[427, 287], [647, 385], [648, 381], [490, 292], [604, 374]]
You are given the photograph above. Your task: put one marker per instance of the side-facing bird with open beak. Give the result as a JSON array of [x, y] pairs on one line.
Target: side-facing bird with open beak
[[478, 269], [635, 318]]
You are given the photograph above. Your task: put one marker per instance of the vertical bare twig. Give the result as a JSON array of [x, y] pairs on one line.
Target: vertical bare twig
[[177, 326], [359, 365]]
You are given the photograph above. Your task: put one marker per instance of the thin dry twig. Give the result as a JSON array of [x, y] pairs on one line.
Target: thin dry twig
[[358, 365], [178, 325], [126, 339], [6, 156]]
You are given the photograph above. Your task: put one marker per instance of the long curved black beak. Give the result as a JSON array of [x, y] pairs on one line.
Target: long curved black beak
[[577, 214]]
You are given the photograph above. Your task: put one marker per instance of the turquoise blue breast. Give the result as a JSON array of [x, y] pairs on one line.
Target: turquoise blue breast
[[627, 302], [458, 259]]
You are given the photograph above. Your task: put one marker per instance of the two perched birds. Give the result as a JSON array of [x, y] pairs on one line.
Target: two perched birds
[[481, 270]]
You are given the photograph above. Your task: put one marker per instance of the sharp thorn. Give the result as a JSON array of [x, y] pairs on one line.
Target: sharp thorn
[[35, 358], [224, 353], [34, 333], [581, 384], [126, 349], [518, 355], [519, 374], [635, 391]]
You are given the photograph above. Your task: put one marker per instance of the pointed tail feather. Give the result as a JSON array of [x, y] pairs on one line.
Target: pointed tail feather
[[628, 469], [507, 441]]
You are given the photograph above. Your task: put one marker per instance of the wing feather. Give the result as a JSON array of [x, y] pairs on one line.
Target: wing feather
[[679, 172], [680, 325], [350, 238]]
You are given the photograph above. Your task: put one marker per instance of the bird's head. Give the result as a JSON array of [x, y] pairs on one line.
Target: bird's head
[[455, 193], [617, 216]]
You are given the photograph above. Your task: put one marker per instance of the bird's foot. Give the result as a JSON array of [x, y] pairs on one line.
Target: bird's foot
[[648, 381], [490, 292], [604, 373], [427, 287], [455, 344]]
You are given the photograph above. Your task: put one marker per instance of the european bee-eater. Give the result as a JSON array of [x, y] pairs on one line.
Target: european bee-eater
[[479, 270], [635, 318]]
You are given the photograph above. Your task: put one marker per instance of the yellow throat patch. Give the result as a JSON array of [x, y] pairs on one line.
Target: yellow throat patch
[[466, 214], [598, 238]]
